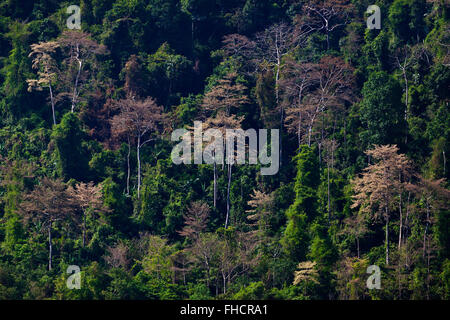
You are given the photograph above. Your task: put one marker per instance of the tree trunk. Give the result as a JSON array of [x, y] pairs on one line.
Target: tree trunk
[[138, 150], [309, 136], [277, 101], [426, 231], [228, 195], [84, 228], [50, 247], [52, 101], [215, 180], [328, 191], [443, 156], [75, 93], [357, 246], [387, 237], [128, 167], [224, 283], [299, 130], [401, 225], [406, 94]]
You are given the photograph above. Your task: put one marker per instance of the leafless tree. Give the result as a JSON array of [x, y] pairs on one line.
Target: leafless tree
[[376, 191], [80, 49], [328, 15], [297, 82], [89, 198], [141, 119], [48, 204], [195, 220], [44, 62]]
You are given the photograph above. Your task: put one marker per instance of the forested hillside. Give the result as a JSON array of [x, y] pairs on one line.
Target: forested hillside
[[87, 176]]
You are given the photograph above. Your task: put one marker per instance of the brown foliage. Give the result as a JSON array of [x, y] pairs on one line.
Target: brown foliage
[[195, 220]]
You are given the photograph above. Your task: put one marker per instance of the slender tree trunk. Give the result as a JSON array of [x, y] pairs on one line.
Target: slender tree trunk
[[139, 168], [215, 180], [357, 246], [406, 102], [277, 101], [299, 127], [387, 236], [401, 224], [328, 192], [443, 156], [224, 283], [426, 231], [208, 272], [128, 166], [299, 130], [328, 34], [84, 228], [50, 247], [406, 93], [309, 136], [228, 196], [52, 101], [75, 88]]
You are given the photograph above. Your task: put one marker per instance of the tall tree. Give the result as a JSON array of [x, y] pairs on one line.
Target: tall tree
[[328, 15], [48, 204], [89, 198], [297, 82], [47, 67], [142, 118], [334, 89], [220, 100], [378, 188], [195, 220], [226, 95], [80, 50], [222, 122]]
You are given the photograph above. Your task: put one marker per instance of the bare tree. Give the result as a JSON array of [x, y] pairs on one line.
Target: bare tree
[[237, 255], [89, 198], [355, 226], [297, 82], [195, 220], [205, 252], [328, 15], [48, 204], [225, 95], [140, 119], [47, 69], [80, 50], [262, 209], [334, 88], [223, 122], [120, 128], [220, 99], [376, 191], [118, 256]]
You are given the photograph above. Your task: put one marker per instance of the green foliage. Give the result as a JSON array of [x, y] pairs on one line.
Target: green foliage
[[72, 155], [177, 51], [16, 69], [381, 110], [304, 209]]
